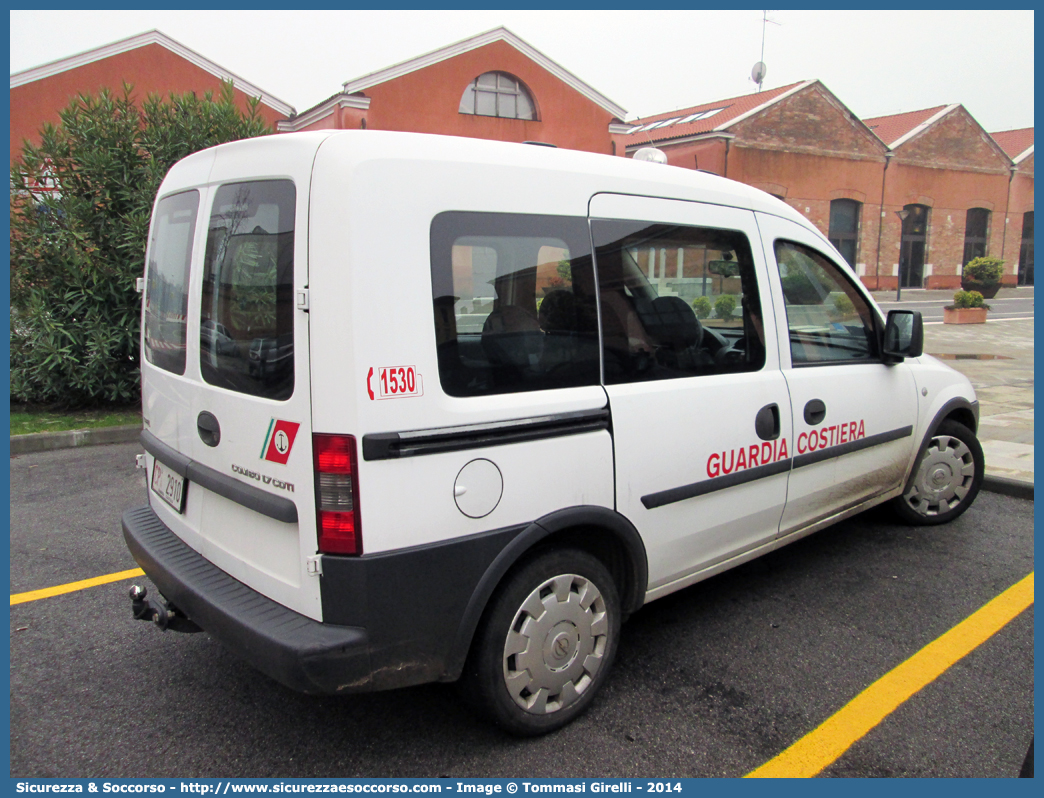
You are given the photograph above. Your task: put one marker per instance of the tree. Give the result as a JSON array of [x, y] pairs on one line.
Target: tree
[[78, 245]]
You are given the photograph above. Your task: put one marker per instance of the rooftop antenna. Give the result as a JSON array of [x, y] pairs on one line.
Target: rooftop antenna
[[757, 74]]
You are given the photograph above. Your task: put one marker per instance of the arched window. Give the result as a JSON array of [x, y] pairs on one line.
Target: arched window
[[498, 94]]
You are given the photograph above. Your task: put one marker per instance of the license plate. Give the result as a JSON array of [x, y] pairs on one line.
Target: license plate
[[169, 486]]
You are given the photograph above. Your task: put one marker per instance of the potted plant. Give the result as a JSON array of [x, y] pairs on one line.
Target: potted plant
[[724, 305], [983, 274], [967, 308], [701, 305]]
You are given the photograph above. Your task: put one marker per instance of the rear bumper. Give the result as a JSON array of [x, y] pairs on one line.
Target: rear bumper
[[299, 652]]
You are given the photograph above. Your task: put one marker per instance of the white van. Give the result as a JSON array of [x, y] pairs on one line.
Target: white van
[[474, 403]]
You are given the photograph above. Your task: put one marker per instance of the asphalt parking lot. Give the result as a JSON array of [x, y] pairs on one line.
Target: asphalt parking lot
[[712, 681]]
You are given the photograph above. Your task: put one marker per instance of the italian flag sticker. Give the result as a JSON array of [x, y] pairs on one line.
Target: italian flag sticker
[[279, 441]]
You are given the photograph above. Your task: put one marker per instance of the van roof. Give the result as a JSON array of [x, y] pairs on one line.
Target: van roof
[[639, 177]]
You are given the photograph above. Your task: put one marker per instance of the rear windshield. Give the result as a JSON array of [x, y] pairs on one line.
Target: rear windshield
[[166, 295], [247, 314]]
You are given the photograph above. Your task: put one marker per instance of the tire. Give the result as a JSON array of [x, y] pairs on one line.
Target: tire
[[545, 644], [946, 479]]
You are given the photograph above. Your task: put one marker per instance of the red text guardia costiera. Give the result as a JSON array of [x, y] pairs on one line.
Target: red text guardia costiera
[[721, 463]]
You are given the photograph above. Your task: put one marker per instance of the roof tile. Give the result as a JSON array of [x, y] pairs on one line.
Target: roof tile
[[1014, 142], [679, 124], [892, 128]]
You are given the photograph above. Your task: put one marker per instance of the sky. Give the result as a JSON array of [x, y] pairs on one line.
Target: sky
[[648, 62]]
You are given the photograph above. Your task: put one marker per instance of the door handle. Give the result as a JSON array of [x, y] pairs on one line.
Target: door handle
[[815, 411], [766, 422], [208, 428]]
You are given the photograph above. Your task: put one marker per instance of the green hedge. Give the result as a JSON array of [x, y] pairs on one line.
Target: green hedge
[[76, 252]]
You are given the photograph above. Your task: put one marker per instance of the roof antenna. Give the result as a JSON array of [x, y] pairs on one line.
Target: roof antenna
[[757, 74]]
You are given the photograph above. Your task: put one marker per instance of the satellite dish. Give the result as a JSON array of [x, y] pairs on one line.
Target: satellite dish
[[757, 74], [650, 154]]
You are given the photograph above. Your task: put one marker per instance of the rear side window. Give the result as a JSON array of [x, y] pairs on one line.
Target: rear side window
[[514, 303], [677, 301], [247, 315], [828, 319], [166, 295]]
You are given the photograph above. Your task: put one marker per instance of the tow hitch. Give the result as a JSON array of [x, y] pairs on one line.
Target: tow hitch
[[164, 615]]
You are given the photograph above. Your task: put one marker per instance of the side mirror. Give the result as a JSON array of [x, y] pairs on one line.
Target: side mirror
[[903, 335]]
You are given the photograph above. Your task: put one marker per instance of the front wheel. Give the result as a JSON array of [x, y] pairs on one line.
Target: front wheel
[[545, 644], [946, 479]]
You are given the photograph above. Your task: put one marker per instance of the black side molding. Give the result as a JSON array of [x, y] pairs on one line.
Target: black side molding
[[659, 499], [222, 484], [705, 486], [852, 446], [171, 458], [391, 445]]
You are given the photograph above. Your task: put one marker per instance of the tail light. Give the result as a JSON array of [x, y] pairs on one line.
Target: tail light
[[337, 494]]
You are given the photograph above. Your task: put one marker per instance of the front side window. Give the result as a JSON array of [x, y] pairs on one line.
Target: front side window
[[498, 94], [676, 301], [514, 303], [166, 293], [844, 228], [828, 319], [976, 233], [247, 314]]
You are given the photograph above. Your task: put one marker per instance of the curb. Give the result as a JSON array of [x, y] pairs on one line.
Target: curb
[[68, 439], [1006, 486]]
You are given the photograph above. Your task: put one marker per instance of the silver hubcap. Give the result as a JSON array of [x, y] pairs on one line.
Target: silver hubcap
[[943, 477], [556, 644]]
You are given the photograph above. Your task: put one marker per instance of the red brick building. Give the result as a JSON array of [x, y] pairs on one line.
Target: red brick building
[[490, 86], [152, 62], [952, 180], [797, 142], [955, 185], [1018, 144], [962, 191]]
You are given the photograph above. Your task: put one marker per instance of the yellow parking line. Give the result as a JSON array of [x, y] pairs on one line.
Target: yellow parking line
[[72, 587], [821, 747]]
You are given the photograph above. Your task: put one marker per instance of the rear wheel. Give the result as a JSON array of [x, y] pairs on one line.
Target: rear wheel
[[946, 479], [545, 644]]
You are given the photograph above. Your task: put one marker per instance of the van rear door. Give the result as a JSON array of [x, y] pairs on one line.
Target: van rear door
[[238, 413]]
